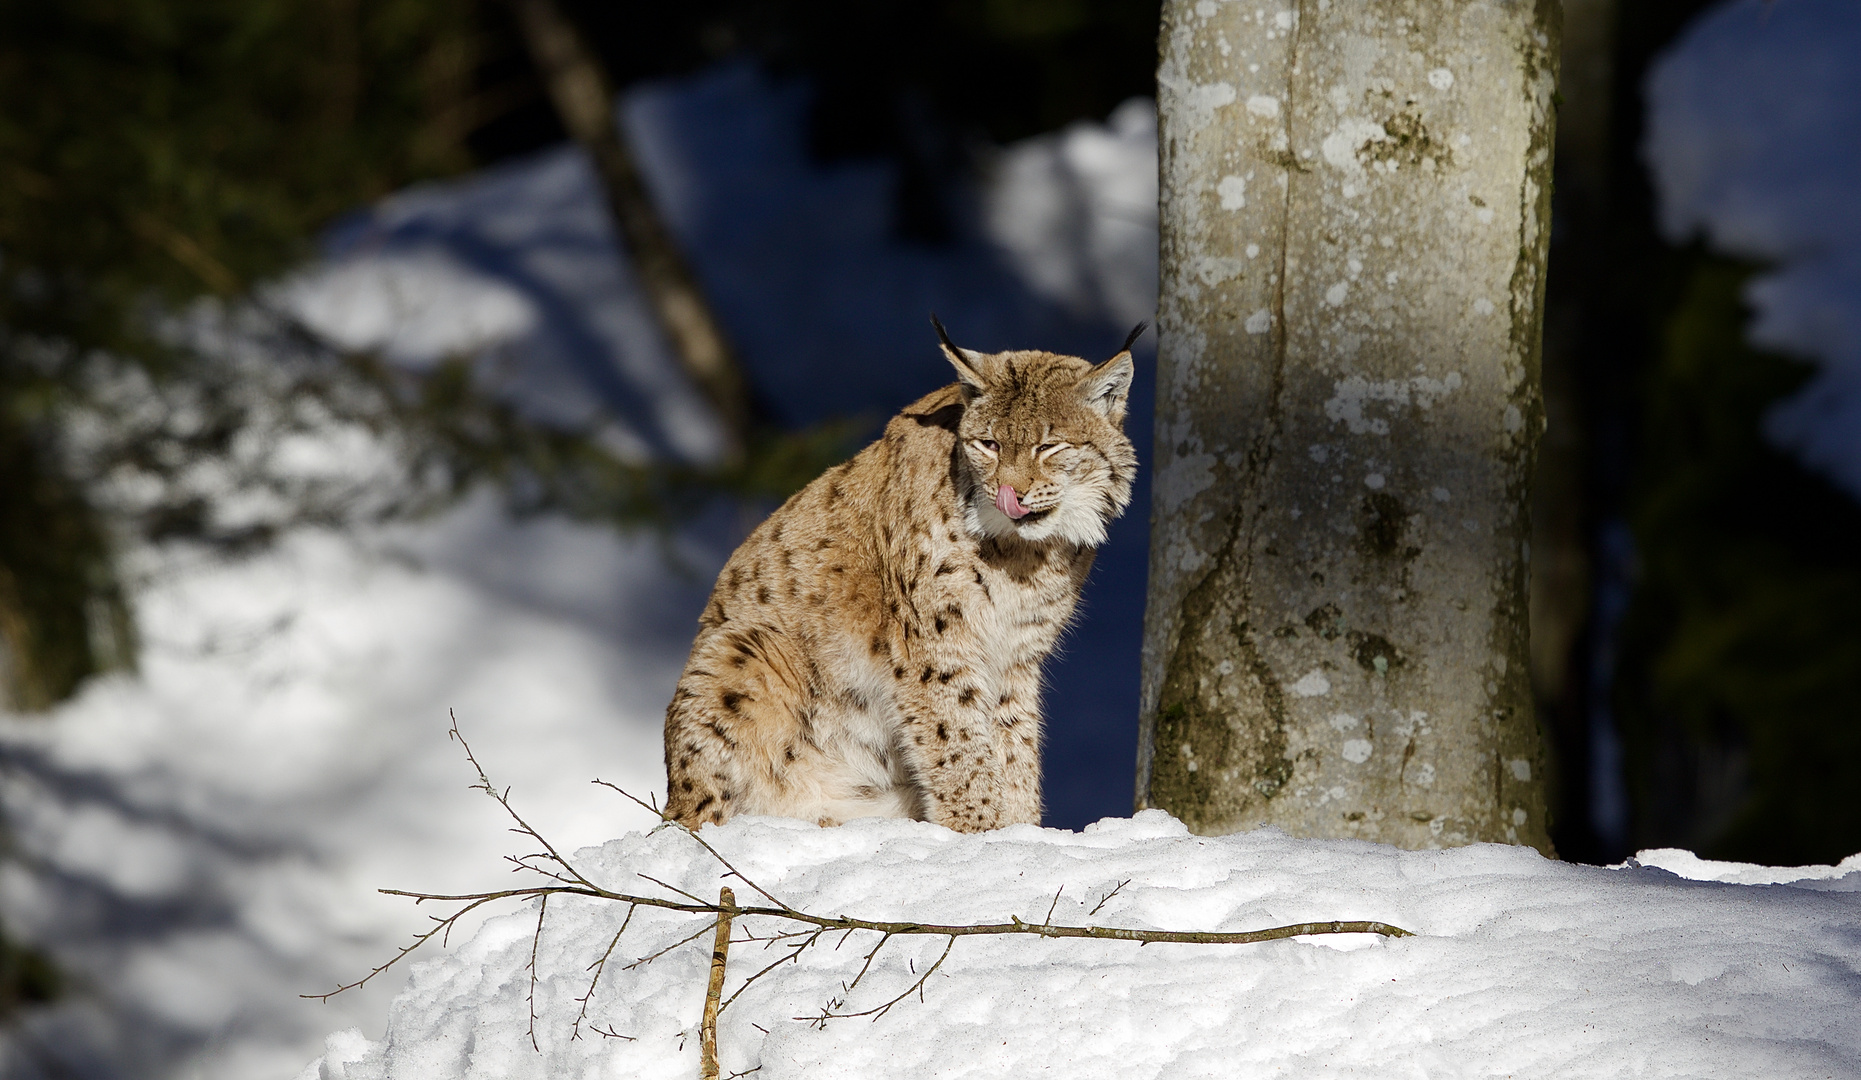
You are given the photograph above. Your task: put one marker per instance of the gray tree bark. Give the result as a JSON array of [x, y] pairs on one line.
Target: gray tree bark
[[1355, 210]]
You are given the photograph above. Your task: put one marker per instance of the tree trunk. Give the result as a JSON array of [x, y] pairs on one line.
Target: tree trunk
[[1355, 210], [585, 103], [63, 616]]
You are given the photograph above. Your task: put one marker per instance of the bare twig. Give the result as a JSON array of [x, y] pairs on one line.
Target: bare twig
[[687, 939], [671, 888], [693, 833], [880, 1010], [503, 800], [536, 942], [863, 968], [850, 924], [1107, 897], [441, 931], [1056, 903], [599, 966], [794, 954], [720, 953], [1014, 926], [518, 863]]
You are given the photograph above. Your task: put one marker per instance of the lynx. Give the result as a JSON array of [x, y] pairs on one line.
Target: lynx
[[874, 648]]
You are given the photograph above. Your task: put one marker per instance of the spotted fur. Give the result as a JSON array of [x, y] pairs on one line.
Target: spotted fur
[[874, 648]]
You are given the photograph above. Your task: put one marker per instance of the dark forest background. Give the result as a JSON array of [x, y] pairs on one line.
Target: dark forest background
[[1695, 643]]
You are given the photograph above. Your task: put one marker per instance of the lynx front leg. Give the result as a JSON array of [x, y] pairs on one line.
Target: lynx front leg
[[975, 750]]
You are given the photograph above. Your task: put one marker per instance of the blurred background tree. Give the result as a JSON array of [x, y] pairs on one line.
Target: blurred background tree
[[1694, 693], [1739, 649]]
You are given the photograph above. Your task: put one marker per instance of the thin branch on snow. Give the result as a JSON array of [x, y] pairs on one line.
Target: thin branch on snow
[[867, 966], [673, 888], [599, 966], [654, 810], [687, 939], [795, 954], [828, 1013], [1103, 900], [564, 879], [536, 942], [442, 931]]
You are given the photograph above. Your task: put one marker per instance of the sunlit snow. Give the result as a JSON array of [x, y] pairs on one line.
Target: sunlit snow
[[1522, 966]]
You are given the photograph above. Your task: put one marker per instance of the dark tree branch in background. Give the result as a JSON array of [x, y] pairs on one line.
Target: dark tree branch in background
[[585, 103]]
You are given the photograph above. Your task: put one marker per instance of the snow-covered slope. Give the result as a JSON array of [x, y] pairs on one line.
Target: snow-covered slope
[[198, 844], [202, 843], [1521, 966], [1754, 141]]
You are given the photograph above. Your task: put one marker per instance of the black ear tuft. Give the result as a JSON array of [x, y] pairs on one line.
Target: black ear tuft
[[944, 335], [965, 365], [1129, 340]]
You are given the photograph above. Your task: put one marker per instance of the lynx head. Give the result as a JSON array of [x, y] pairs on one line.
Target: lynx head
[[1041, 448]]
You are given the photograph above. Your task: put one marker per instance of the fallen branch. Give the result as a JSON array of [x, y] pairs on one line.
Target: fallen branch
[[564, 879], [901, 929], [720, 952]]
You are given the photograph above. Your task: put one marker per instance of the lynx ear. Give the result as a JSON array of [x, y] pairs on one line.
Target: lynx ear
[[962, 360], [1108, 386]]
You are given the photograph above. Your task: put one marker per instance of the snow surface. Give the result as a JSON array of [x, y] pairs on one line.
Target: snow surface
[[202, 842], [1754, 142], [198, 844], [1522, 966]]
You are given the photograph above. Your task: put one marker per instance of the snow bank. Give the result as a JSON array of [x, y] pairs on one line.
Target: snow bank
[[1522, 967], [1754, 141]]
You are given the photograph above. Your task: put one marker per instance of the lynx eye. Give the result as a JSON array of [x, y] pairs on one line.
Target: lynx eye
[[988, 446], [1049, 449]]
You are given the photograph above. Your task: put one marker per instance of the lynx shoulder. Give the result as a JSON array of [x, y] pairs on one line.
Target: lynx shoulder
[[874, 648]]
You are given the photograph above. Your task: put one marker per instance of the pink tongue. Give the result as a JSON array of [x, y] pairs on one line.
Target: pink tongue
[[1007, 503]]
